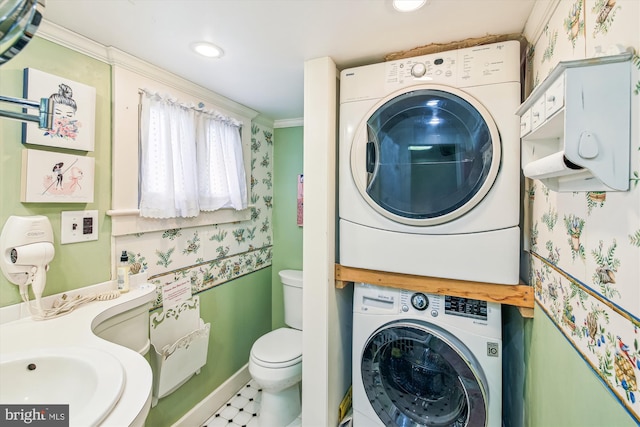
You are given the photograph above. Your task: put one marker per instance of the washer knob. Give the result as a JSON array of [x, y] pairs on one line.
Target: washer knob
[[419, 301], [418, 70]]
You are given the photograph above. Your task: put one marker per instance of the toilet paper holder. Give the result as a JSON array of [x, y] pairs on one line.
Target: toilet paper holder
[[577, 126]]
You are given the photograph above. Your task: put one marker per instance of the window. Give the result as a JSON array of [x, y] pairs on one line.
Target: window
[[190, 160], [129, 76]]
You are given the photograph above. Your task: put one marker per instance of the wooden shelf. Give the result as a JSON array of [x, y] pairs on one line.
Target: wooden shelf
[[520, 295]]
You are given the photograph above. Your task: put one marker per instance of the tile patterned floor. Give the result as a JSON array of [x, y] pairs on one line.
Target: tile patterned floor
[[241, 410]]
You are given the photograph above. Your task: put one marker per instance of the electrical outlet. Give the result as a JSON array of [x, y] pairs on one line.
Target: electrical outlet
[[79, 226]]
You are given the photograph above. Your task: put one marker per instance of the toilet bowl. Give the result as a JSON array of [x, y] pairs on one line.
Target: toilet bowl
[[275, 362], [276, 365]]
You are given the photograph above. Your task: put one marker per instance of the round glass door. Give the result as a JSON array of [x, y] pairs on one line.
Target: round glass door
[[415, 375], [426, 156]]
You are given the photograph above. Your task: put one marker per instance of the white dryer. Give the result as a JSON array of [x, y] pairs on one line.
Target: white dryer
[[429, 165], [422, 360]]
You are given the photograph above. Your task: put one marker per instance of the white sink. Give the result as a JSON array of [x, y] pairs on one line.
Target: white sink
[[90, 381]]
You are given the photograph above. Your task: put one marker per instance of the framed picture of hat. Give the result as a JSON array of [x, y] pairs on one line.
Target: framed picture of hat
[[74, 111]]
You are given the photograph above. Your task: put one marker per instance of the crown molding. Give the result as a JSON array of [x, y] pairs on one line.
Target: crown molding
[[67, 38], [538, 19], [288, 123], [264, 121], [115, 57]]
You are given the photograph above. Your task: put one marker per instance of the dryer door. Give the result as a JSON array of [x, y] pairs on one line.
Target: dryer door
[[426, 155], [416, 374]]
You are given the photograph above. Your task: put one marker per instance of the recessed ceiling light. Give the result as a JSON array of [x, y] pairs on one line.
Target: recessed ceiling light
[[408, 5], [207, 49]]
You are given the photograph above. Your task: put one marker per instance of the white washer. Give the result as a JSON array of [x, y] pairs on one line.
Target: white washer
[[425, 360], [429, 165]]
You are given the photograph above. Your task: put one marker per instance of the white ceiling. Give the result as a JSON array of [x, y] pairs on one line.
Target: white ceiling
[[267, 41]]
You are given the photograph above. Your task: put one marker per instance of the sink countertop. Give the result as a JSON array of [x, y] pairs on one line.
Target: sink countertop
[[76, 329]]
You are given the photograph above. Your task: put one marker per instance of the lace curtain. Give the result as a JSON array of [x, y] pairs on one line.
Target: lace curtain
[[221, 176], [190, 160]]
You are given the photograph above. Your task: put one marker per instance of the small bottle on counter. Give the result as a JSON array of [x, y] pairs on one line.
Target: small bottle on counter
[[123, 273]]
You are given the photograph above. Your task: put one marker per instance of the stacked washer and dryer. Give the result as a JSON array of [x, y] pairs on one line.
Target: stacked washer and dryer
[[429, 184]]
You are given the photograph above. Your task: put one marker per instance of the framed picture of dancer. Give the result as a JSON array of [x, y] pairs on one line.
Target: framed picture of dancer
[[51, 177], [74, 111]]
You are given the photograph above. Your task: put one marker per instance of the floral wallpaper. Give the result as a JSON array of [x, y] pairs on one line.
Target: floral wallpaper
[[214, 254], [585, 246]]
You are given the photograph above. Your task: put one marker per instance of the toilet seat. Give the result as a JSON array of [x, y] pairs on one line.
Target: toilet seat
[[278, 349]]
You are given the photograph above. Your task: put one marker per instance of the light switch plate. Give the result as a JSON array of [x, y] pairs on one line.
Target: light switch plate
[[79, 226]]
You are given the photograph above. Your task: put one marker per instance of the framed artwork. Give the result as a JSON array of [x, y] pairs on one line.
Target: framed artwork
[[74, 111], [300, 200], [50, 177]]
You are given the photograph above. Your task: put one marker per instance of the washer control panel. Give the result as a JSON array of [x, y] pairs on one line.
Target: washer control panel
[[380, 300], [466, 314], [466, 307], [420, 303]]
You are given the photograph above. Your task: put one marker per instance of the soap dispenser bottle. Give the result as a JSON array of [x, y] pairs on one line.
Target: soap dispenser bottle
[[123, 273]]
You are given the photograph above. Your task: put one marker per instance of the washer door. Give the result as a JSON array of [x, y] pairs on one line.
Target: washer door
[[416, 374], [426, 156]]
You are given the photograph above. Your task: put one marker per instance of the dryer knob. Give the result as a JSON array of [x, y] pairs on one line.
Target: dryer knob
[[419, 301], [418, 70]]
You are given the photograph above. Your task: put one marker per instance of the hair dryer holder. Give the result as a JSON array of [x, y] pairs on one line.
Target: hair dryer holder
[[26, 249]]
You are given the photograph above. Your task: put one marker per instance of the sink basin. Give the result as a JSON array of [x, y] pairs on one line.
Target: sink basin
[[90, 381]]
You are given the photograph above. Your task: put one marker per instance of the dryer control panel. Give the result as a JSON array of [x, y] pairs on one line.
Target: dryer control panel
[[441, 68], [478, 65]]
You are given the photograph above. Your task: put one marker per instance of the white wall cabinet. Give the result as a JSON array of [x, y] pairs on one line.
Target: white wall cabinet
[[576, 126]]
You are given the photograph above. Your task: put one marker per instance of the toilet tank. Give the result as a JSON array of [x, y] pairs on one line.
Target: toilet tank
[[292, 288]]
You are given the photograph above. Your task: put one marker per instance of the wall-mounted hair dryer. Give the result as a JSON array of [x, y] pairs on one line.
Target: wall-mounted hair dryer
[[26, 249]]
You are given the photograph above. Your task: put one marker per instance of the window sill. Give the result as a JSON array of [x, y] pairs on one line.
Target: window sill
[[129, 221]]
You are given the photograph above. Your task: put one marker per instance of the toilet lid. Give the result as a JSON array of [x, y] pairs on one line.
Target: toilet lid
[[279, 348]]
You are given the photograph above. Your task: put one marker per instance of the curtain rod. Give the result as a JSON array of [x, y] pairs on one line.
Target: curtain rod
[[200, 108]]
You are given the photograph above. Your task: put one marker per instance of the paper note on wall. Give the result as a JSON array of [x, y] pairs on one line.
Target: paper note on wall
[[174, 293], [300, 198]]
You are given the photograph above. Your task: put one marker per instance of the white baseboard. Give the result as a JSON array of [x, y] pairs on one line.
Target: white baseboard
[[218, 397]]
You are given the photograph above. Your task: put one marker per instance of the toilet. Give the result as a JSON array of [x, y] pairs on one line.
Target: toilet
[[276, 360]]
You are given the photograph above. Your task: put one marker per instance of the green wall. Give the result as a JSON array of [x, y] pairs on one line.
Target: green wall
[[561, 390], [74, 265], [287, 236]]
